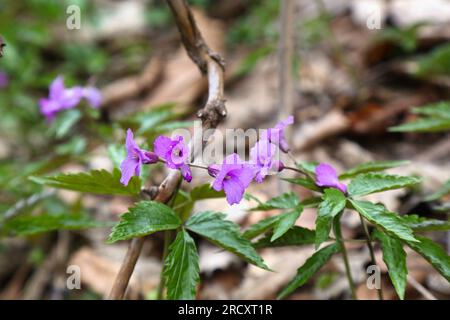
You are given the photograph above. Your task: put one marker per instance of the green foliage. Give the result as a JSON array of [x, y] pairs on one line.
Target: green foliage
[[423, 224], [182, 268], [333, 203], [225, 234], [387, 221], [368, 183], [64, 121], [395, 258], [311, 266], [435, 63], [25, 225], [145, 218], [95, 181], [434, 117], [260, 227], [296, 236], [406, 39], [433, 253], [304, 182], [285, 201], [285, 222], [372, 166]]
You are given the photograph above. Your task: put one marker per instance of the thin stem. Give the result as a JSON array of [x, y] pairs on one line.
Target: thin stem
[[300, 171], [197, 166], [338, 234], [168, 235], [372, 254]]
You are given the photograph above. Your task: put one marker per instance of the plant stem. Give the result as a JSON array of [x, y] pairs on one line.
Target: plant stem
[[338, 235], [372, 254], [162, 281]]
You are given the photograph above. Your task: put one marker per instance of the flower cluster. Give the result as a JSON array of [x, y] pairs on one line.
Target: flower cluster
[[61, 98], [234, 175]]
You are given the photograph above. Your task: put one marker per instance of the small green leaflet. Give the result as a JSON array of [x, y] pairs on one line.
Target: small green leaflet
[[438, 110], [95, 181], [433, 253], [296, 236], [285, 222], [304, 182], [309, 167], [25, 225], [443, 191], [182, 268], [64, 122], [369, 183], [285, 201], [145, 218], [225, 234], [423, 224], [333, 203], [395, 258], [260, 227], [311, 266], [424, 125], [372, 167], [388, 221]]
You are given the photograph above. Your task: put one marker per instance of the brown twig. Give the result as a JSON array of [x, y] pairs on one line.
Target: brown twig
[[212, 65]]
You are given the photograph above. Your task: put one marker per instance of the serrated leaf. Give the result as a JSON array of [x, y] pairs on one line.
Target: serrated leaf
[[433, 253], [285, 201], [225, 234], [95, 181], [333, 203], [285, 222], [25, 225], [423, 224], [372, 166], [260, 227], [311, 202], [443, 191], [143, 219], [182, 268], [296, 236], [388, 221], [311, 266], [424, 125], [395, 258], [304, 182], [368, 183]]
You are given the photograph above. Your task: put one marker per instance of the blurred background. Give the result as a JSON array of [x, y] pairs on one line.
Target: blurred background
[[358, 68]]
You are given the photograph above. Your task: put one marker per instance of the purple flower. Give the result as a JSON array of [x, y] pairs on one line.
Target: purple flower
[[276, 134], [93, 96], [175, 153], [326, 176], [59, 98], [233, 176], [262, 158], [135, 158], [4, 79]]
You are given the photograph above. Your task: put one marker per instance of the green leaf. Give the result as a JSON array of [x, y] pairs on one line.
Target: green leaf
[[423, 224], [225, 234], [424, 125], [285, 222], [95, 181], [117, 152], [333, 203], [371, 167], [311, 202], [433, 253], [145, 218], [435, 63], [260, 227], [25, 225], [182, 268], [309, 167], [285, 201], [369, 183], [304, 182], [205, 192], [388, 221], [437, 110], [443, 191], [311, 266], [296, 236], [395, 258]]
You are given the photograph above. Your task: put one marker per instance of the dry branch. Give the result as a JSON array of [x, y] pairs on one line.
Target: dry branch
[[212, 65]]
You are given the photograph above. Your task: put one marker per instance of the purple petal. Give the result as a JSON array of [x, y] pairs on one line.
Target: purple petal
[[162, 146], [326, 176], [186, 172], [93, 96], [57, 88], [130, 144], [234, 190], [49, 108], [129, 167], [71, 97]]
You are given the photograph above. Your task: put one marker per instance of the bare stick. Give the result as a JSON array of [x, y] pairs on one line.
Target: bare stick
[[212, 65]]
